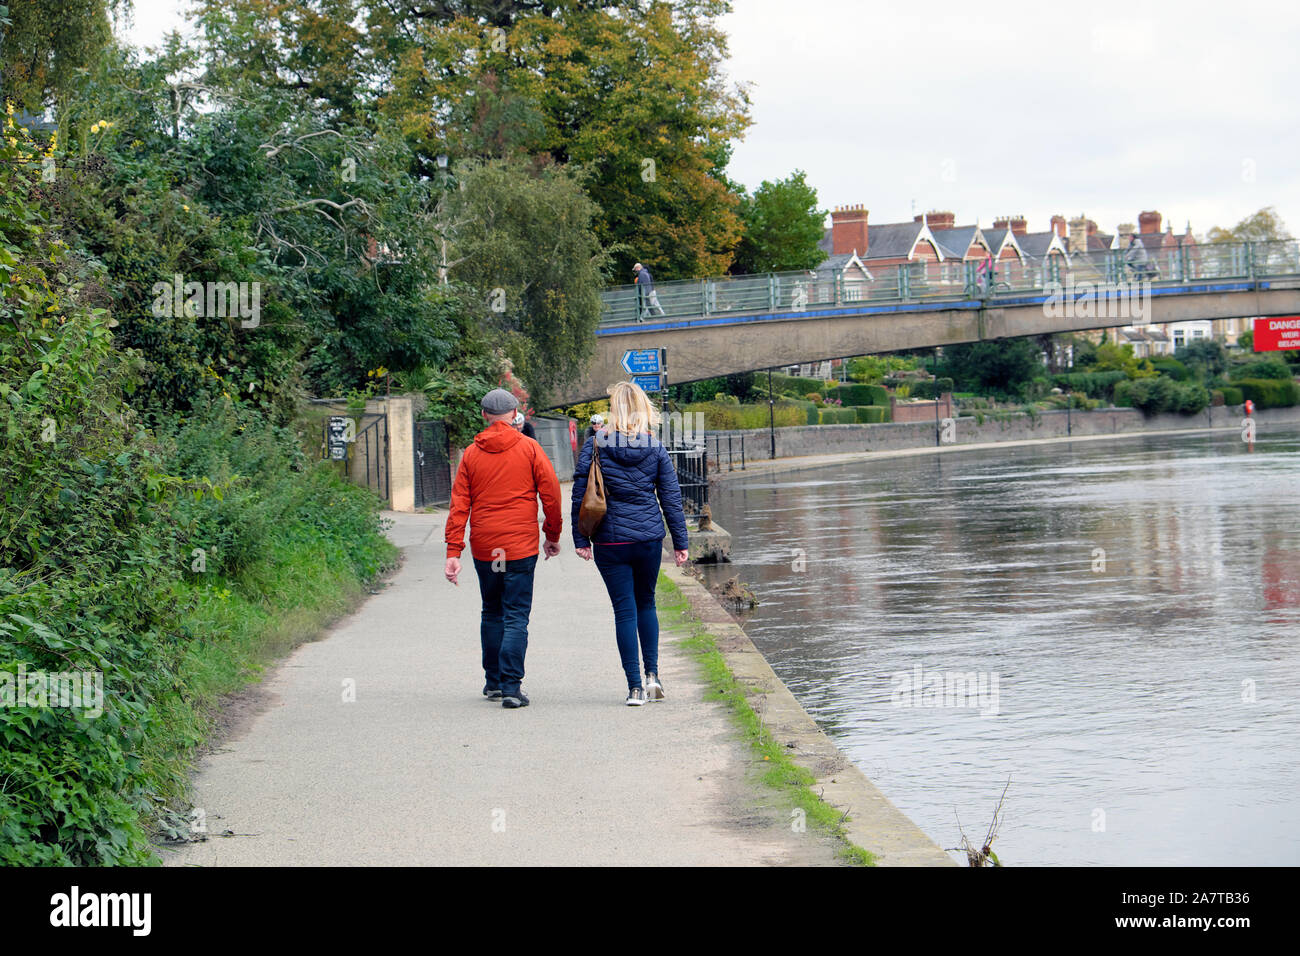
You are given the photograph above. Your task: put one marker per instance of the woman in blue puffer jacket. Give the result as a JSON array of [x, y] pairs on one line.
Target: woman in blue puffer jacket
[[628, 543]]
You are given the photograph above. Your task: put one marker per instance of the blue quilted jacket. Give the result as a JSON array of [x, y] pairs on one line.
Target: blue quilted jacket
[[639, 478]]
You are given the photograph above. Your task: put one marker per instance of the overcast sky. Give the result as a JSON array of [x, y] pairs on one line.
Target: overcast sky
[[1104, 108]]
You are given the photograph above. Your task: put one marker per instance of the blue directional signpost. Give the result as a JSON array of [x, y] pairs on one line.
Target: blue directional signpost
[[646, 368]]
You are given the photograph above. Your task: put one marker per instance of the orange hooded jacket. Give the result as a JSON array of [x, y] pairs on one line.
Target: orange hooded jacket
[[499, 480]]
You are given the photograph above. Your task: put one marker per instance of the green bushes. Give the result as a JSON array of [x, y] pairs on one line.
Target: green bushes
[[1232, 395], [790, 385], [218, 513], [871, 414], [1092, 384], [1268, 392], [838, 416], [932, 389], [720, 416], [1172, 368], [1162, 394], [1270, 368], [105, 532], [860, 394]]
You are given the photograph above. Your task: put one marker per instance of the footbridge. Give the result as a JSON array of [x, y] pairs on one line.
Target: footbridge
[[721, 326]]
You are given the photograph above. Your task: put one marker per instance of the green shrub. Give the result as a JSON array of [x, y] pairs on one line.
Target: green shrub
[[838, 416], [1092, 384], [1269, 392], [871, 414], [814, 397], [932, 389], [726, 416], [1189, 398], [1162, 394], [1263, 368], [726, 399], [1171, 367], [1232, 395], [791, 385], [861, 394]]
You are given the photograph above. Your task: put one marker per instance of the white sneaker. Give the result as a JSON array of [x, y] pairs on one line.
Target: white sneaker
[[653, 689], [635, 697]]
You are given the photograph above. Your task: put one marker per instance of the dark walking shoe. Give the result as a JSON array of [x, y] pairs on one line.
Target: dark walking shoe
[[635, 697], [516, 699], [653, 689], [491, 693]]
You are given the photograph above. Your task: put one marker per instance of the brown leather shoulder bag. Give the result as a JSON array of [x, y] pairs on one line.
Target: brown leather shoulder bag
[[592, 511]]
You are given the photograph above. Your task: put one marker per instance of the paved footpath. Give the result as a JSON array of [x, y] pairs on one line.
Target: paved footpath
[[420, 769]]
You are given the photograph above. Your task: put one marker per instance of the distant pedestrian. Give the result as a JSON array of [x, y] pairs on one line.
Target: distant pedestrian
[[500, 478], [641, 490], [646, 296], [525, 427], [597, 423]]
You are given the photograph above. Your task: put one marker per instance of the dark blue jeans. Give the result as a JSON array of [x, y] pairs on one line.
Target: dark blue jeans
[[507, 602], [630, 572]]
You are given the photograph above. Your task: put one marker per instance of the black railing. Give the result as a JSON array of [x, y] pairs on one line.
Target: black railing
[[726, 451], [692, 465], [432, 464], [372, 446]]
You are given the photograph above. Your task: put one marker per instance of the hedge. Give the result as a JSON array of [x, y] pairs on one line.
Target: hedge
[[1269, 368], [838, 416], [791, 385], [1268, 392], [932, 389], [1171, 367], [871, 414], [719, 416], [860, 394], [1162, 394], [1092, 384], [1232, 395]]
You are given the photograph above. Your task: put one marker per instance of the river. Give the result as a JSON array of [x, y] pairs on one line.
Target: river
[[1113, 626]]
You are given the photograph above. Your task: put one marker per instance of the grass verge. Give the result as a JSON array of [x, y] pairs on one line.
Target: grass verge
[[779, 772]]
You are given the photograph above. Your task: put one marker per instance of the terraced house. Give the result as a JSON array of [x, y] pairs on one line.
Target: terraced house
[[934, 254]]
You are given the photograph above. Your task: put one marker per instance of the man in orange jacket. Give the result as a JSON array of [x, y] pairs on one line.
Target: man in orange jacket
[[500, 478]]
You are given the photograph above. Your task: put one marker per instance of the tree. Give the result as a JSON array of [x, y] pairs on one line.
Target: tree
[[1206, 357], [522, 236], [43, 45], [635, 92], [783, 227], [1000, 366], [1110, 357], [1263, 226]]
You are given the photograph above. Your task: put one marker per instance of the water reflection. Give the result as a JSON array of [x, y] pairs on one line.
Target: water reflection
[[1138, 601]]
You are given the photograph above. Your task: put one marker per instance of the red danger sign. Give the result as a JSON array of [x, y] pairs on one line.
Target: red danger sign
[[1277, 332]]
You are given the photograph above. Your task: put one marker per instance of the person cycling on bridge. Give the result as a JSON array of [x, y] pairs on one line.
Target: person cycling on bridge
[[1139, 263]]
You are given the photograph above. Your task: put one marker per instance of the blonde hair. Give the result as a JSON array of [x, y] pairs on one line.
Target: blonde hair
[[630, 410]]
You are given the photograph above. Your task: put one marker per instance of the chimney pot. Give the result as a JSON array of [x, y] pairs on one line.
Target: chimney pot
[[849, 230]]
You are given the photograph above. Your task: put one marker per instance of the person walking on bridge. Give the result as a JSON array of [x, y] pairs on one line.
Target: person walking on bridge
[[641, 490], [646, 296], [499, 480]]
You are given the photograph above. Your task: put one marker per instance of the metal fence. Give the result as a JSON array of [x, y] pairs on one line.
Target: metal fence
[[727, 451], [956, 279], [366, 460], [692, 466], [432, 464]]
